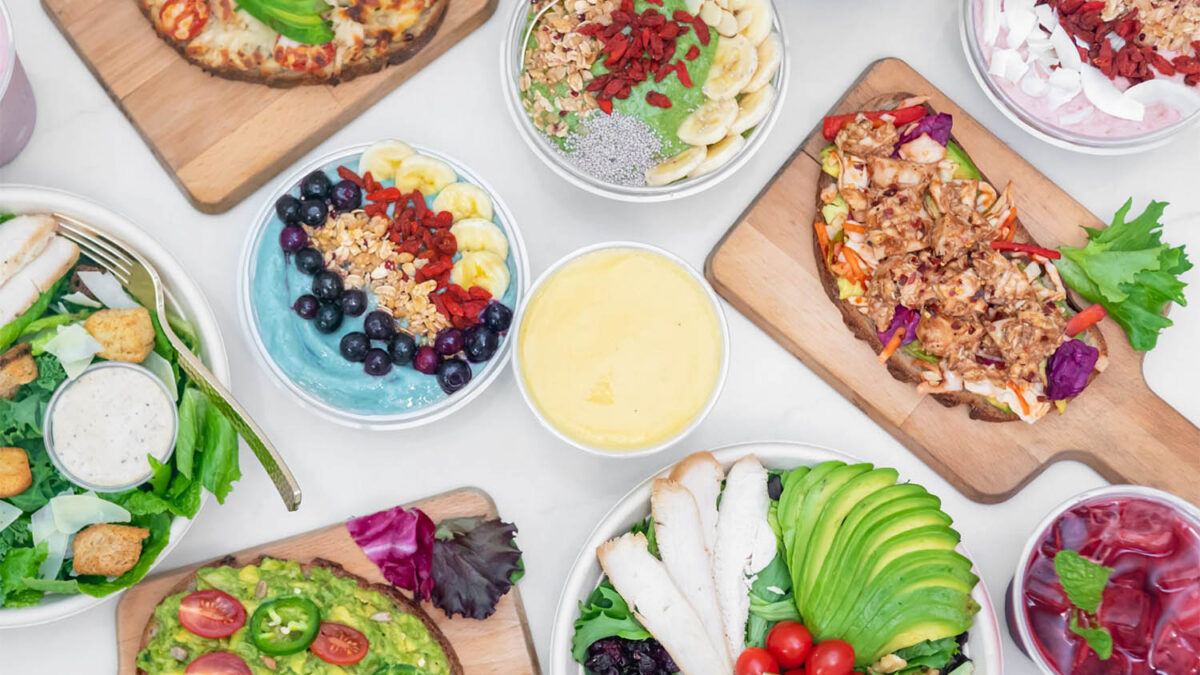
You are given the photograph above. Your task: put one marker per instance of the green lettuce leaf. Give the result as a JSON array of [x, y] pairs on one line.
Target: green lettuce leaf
[[159, 525], [935, 654], [16, 566], [218, 463], [603, 615]]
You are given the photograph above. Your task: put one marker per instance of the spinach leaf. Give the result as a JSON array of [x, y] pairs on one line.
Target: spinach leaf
[[604, 614]]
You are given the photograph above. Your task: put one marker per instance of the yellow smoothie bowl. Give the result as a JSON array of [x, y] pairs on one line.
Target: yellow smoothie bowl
[[622, 349]]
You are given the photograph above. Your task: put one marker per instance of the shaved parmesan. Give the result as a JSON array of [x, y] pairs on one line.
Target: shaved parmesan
[[1107, 98], [82, 300], [107, 289], [72, 513], [56, 553], [41, 524], [163, 370], [1065, 48], [8, 515], [74, 347]]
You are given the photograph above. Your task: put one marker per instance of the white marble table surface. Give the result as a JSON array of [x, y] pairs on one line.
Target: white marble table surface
[[554, 493]]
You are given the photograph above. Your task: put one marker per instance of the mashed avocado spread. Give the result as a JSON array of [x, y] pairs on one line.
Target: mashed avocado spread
[[399, 642]]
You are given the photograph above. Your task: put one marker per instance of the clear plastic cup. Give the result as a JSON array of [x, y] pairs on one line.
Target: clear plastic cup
[[17, 108]]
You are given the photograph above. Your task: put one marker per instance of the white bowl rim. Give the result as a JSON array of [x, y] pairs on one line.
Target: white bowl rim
[[392, 421], [1128, 146], [642, 194], [585, 572], [1024, 638], [721, 375], [182, 289]]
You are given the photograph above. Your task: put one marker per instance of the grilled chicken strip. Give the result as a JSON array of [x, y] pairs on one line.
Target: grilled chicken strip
[[21, 240], [22, 290], [745, 545], [702, 475], [680, 536], [643, 581]]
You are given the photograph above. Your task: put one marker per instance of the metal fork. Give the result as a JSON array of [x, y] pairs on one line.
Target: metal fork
[[140, 278]]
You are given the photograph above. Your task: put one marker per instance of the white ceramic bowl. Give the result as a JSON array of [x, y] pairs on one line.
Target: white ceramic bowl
[[712, 400], [183, 294], [413, 418], [511, 61], [983, 644], [1043, 130]]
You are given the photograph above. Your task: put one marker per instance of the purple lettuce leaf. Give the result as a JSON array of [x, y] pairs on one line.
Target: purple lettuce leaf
[[903, 317], [400, 542], [475, 562], [1068, 369], [936, 127]]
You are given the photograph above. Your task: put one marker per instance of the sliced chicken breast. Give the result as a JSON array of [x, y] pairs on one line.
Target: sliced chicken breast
[[680, 537], [702, 474], [22, 290], [745, 545], [643, 581], [21, 240]]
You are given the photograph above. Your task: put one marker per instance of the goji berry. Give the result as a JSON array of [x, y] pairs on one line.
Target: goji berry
[[683, 16], [387, 195], [346, 174], [692, 53], [701, 31], [605, 105], [684, 77], [440, 303], [658, 99], [479, 293], [445, 243], [373, 210], [474, 308], [418, 201]]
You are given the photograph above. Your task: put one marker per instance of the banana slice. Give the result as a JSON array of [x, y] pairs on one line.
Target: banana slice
[[753, 108], [744, 17], [464, 200], [733, 65], [481, 268], [759, 26], [738, 5], [382, 159], [728, 25], [770, 55], [693, 6], [719, 154], [676, 167], [424, 173], [709, 123], [710, 13], [479, 234]]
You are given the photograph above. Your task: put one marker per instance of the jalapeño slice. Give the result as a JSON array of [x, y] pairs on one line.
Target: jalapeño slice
[[285, 625]]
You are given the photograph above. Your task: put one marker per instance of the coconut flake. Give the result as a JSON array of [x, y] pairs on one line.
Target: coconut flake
[[107, 289], [1020, 24], [1034, 84], [1064, 86], [1007, 63], [1046, 16], [1103, 94], [991, 21], [1065, 48], [1171, 93]]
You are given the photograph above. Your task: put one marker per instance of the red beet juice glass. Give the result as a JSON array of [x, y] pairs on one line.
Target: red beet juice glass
[[17, 109], [1151, 604]]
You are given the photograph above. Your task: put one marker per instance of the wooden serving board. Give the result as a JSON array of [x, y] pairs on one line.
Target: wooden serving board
[[765, 267], [501, 645], [218, 139]]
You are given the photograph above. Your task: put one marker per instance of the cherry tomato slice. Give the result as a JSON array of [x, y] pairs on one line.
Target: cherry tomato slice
[[756, 661], [183, 19], [218, 663], [831, 657], [211, 614], [303, 58], [339, 644], [789, 642]]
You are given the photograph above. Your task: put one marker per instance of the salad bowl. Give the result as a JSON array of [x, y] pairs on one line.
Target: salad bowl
[[983, 647], [183, 295]]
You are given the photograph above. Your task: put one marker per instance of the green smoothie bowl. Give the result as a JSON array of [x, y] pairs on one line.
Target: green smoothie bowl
[[644, 100]]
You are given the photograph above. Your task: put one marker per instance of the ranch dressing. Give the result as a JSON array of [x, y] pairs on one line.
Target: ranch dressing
[[105, 423]]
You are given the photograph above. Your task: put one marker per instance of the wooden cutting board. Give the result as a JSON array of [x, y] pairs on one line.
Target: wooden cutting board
[[218, 139], [501, 645], [765, 267]]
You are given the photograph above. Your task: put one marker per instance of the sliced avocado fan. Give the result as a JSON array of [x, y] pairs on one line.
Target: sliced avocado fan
[[873, 562]]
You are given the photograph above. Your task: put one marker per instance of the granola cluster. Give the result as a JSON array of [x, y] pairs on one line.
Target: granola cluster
[[558, 53]]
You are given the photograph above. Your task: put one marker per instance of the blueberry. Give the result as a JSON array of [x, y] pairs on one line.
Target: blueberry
[[402, 348], [313, 212], [315, 185], [379, 325], [327, 285], [309, 261], [426, 360], [346, 196], [448, 342], [354, 302], [480, 343], [287, 208], [293, 238], [354, 347], [377, 363], [453, 374], [496, 316], [329, 318], [306, 307]]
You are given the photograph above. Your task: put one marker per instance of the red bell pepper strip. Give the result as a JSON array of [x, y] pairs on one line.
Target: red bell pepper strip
[[1001, 245], [901, 116], [1085, 320]]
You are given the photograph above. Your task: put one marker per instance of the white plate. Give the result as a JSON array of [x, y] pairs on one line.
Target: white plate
[[184, 296], [983, 644]]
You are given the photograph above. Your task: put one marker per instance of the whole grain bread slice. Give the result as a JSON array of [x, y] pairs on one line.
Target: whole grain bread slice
[[863, 327]]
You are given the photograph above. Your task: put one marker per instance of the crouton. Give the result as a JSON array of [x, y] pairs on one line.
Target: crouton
[[17, 368], [15, 476], [125, 334], [107, 549]]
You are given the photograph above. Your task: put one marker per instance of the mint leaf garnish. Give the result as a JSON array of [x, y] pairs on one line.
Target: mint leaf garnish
[[1082, 579], [1098, 638]]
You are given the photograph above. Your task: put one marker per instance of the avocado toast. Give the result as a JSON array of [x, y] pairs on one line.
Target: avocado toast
[[397, 634], [929, 264]]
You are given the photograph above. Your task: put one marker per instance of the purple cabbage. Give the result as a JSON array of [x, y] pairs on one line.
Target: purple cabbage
[[400, 542], [936, 127], [1068, 369], [903, 317]]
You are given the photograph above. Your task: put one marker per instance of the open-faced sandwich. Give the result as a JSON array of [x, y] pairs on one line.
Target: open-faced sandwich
[[281, 616], [929, 263]]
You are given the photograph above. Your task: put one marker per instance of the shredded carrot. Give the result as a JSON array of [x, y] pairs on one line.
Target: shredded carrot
[[892, 345], [853, 260], [1020, 398], [1010, 225], [854, 227], [925, 365], [822, 237]]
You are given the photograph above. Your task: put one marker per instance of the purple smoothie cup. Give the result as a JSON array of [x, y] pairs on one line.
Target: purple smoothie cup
[[17, 108]]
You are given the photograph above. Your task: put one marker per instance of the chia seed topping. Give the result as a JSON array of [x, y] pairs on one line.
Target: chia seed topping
[[614, 148]]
